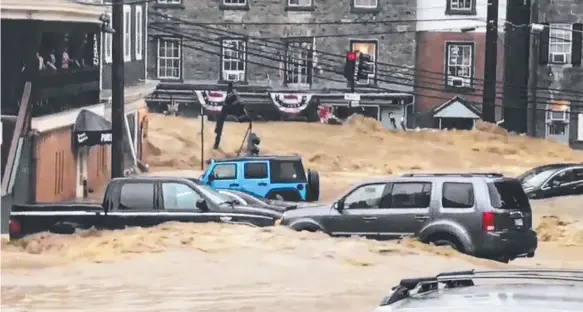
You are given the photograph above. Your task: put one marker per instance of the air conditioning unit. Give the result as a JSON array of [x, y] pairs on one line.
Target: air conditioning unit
[[459, 82], [559, 115], [235, 76], [558, 58]]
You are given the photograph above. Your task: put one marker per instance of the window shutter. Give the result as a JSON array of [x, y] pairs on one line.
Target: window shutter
[[543, 45], [576, 44]]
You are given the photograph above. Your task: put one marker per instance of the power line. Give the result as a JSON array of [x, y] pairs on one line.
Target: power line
[[206, 41], [331, 68], [438, 86], [439, 74]]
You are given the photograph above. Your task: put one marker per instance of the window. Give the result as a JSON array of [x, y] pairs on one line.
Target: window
[[560, 43], [233, 59], [461, 7], [137, 196], [370, 48], [508, 195], [459, 64], [457, 195], [255, 170], [139, 33], [578, 175], [299, 3], [411, 195], [107, 43], [169, 1], [287, 171], [298, 64], [225, 172], [365, 197], [367, 4], [234, 2], [169, 58], [127, 36], [557, 118], [179, 196]]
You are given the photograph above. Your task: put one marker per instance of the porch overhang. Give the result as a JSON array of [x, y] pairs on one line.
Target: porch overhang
[[51, 10]]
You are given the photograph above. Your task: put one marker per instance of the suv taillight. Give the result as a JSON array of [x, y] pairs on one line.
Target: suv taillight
[[14, 227], [488, 222]]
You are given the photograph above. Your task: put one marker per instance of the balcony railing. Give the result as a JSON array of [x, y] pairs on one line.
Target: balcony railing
[[70, 81]]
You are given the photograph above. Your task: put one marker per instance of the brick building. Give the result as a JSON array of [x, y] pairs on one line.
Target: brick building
[[284, 68], [42, 155], [450, 62]]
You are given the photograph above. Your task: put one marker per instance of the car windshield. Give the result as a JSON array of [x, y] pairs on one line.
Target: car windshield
[[214, 196], [535, 178]]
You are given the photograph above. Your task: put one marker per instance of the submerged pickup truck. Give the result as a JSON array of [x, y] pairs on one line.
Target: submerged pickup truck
[[139, 201]]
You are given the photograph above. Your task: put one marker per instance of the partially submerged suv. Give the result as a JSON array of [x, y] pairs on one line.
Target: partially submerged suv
[[272, 177], [482, 214]]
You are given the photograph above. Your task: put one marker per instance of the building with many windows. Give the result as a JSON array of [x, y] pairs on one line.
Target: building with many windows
[[284, 57], [451, 36], [556, 75]]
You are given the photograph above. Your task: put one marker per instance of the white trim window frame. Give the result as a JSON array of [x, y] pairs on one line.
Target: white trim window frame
[[127, 33], [298, 63], [139, 32], [235, 2], [459, 64], [366, 4], [560, 43], [234, 59], [461, 5], [107, 45], [367, 47], [169, 59], [299, 3]]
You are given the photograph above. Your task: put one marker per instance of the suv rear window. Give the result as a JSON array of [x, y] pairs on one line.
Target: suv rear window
[[287, 171], [508, 195]]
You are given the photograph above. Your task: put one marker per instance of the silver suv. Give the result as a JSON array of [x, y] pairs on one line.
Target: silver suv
[[481, 214], [504, 291]]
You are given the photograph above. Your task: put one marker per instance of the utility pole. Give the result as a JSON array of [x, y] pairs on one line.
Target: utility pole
[[117, 89], [489, 93]]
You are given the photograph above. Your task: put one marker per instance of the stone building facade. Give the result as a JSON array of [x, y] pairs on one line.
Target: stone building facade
[[286, 50], [556, 75]]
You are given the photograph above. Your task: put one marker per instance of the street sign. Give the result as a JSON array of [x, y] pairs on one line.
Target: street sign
[[351, 97]]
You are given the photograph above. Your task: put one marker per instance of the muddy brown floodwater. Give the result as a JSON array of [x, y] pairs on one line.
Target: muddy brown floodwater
[[213, 267]]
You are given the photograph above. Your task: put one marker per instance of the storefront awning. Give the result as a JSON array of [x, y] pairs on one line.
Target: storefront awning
[[90, 129]]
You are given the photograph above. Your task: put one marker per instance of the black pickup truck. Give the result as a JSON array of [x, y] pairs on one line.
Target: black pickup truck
[[139, 201]]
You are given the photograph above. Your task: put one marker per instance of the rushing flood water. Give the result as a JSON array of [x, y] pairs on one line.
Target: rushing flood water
[[216, 267], [210, 267]]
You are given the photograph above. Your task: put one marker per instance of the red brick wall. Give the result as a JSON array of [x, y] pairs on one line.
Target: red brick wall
[[56, 171], [56, 167], [431, 58]]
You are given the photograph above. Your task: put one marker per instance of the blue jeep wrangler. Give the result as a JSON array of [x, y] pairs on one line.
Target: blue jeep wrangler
[[272, 177]]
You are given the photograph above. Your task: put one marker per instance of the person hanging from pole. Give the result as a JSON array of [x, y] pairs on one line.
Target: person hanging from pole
[[231, 100]]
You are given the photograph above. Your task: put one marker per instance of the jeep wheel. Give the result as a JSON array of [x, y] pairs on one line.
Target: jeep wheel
[[313, 189]]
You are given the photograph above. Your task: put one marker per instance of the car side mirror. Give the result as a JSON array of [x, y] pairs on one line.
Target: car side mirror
[[211, 177], [339, 206], [202, 205]]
